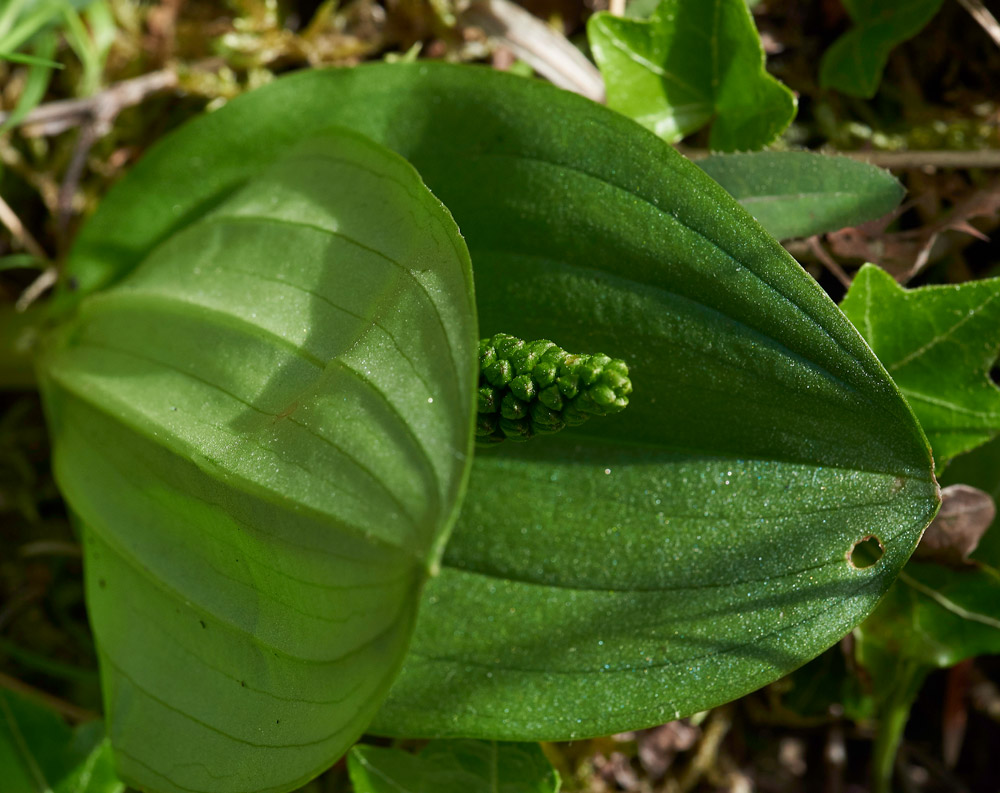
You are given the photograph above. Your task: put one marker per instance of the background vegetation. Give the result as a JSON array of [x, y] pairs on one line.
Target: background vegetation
[[87, 87]]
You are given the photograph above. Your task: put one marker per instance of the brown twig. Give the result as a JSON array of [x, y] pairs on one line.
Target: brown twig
[[90, 132], [901, 160], [50, 548], [72, 712], [56, 117], [828, 261]]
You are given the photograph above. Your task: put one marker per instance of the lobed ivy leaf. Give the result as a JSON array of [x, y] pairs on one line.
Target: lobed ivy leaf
[[690, 65], [798, 193], [938, 343], [461, 766], [854, 63], [264, 432], [666, 559], [39, 752]]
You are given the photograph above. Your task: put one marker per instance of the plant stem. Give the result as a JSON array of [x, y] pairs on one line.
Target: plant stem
[[893, 715]]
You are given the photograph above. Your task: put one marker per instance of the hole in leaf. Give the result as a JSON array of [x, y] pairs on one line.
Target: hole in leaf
[[995, 373], [865, 552]]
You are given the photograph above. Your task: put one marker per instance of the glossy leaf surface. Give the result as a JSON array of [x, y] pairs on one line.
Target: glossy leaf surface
[[689, 65], [855, 61], [798, 193], [453, 767], [938, 343], [264, 432], [653, 563], [40, 753]]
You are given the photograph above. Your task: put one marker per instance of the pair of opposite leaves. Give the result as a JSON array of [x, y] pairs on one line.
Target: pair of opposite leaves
[[262, 409]]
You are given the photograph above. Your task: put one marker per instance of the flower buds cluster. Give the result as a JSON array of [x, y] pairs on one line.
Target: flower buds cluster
[[529, 388]]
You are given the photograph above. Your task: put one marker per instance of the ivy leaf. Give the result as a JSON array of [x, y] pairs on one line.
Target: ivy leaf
[[264, 433], [453, 767], [40, 753], [938, 343], [798, 193], [691, 64], [666, 559], [855, 61]]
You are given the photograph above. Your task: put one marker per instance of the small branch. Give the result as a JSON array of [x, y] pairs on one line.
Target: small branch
[[547, 52], [56, 117], [90, 133], [828, 261], [51, 548], [13, 223], [900, 160], [616, 8], [982, 15], [67, 709]]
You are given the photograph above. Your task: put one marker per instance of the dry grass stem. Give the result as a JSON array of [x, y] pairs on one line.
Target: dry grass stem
[[984, 17], [547, 52], [9, 218]]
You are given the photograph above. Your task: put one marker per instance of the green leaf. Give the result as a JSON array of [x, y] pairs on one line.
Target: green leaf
[[38, 79], [30, 60], [264, 433], [453, 767], [679, 554], [18, 261], [932, 617], [938, 343], [855, 61], [691, 64], [40, 753], [798, 194]]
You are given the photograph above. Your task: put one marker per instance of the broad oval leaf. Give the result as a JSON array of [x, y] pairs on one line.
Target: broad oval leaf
[[800, 193], [655, 563], [264, 432]]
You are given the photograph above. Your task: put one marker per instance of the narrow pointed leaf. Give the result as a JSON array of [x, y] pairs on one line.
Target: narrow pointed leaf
[[264, 433], [453, 767], [855, 61], [692, 64], [798, 193], [938, 343], [662, 560]]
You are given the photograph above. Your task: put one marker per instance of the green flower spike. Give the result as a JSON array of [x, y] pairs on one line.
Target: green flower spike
[[529, 388]]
